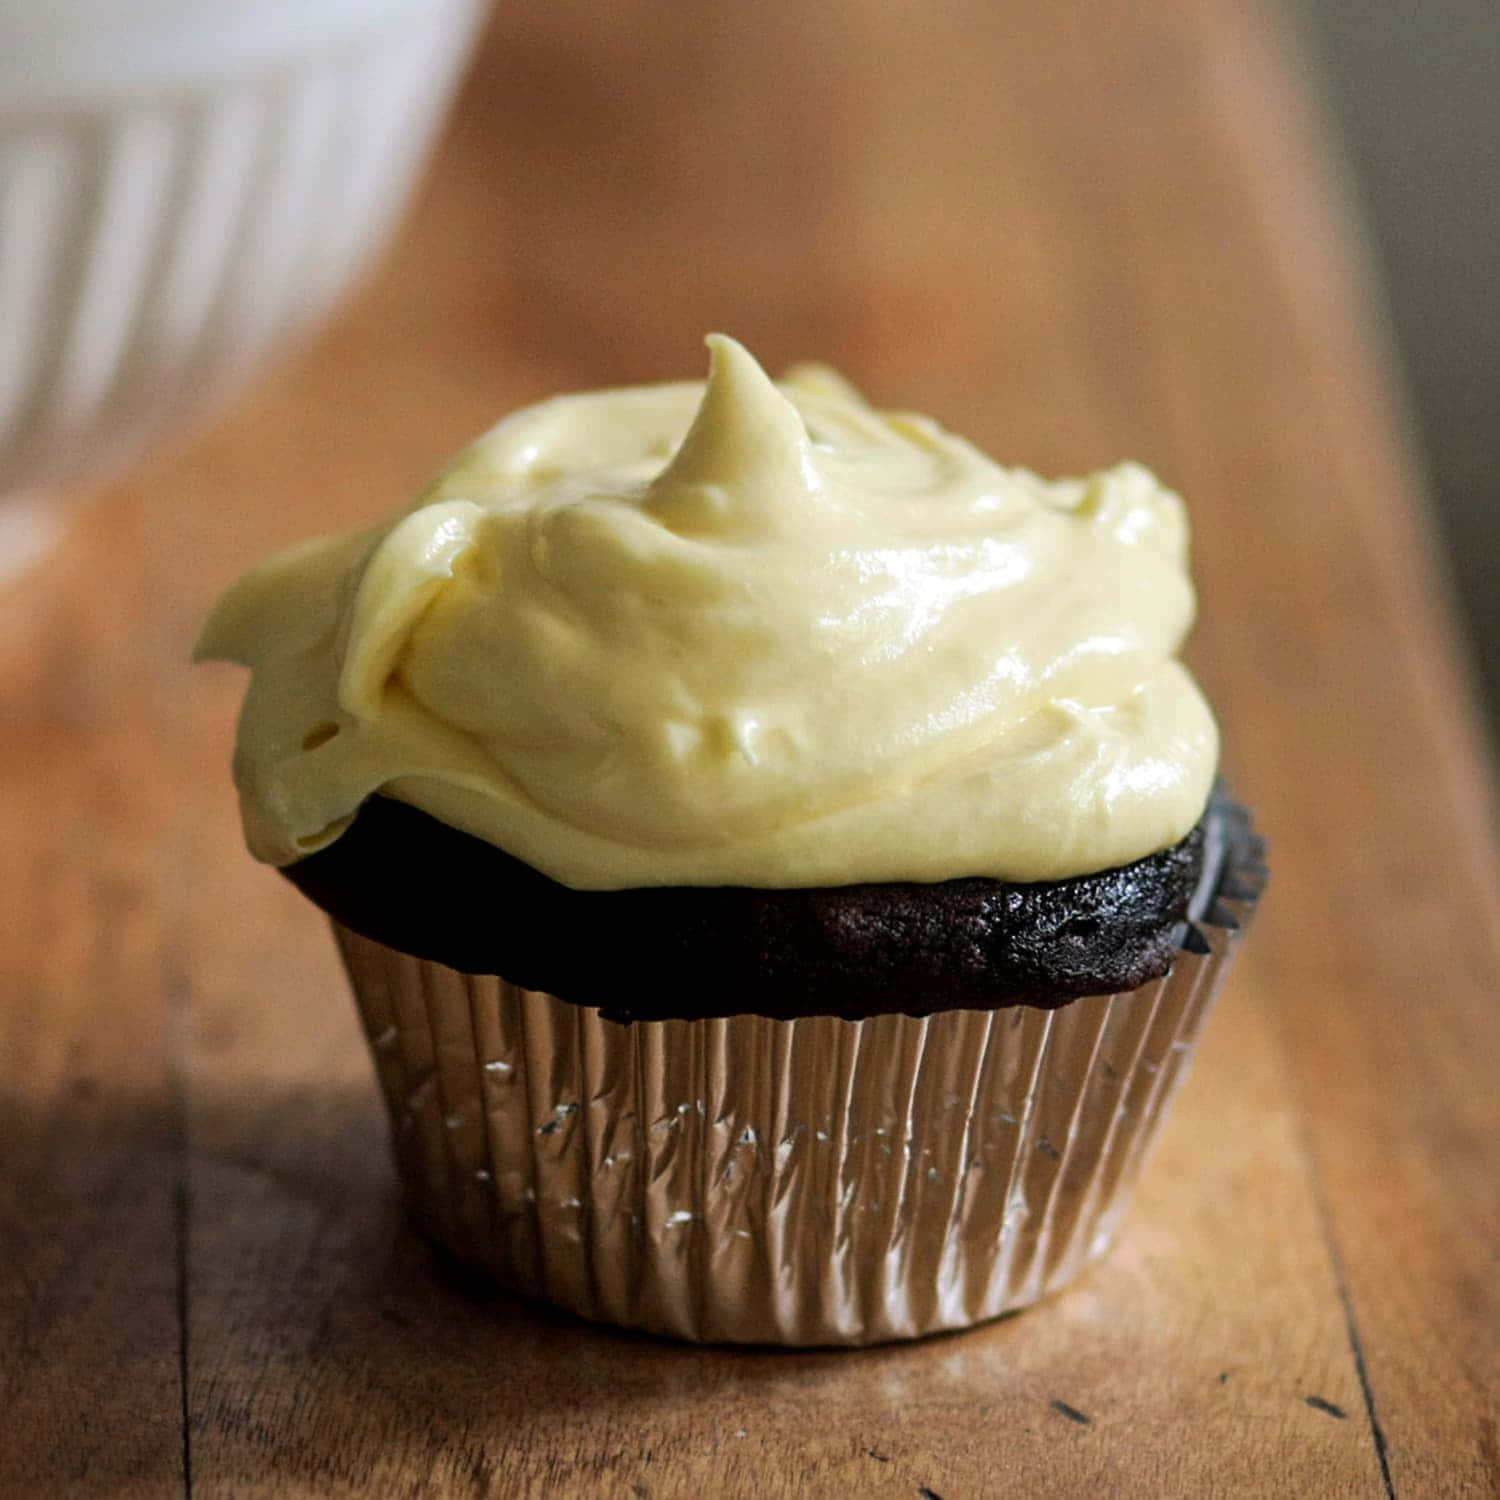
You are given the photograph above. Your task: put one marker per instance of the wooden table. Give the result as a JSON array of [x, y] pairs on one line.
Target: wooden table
[[1072, 239]]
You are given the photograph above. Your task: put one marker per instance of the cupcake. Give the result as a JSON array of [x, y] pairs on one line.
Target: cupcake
[[776, 850]]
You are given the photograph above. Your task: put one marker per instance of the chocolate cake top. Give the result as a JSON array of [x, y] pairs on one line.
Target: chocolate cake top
[[405, 879]]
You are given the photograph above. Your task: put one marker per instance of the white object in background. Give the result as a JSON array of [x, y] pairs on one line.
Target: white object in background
[[182, 184]]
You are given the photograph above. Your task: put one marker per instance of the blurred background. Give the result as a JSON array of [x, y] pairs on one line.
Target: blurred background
[[1415, 90], [180, 199]]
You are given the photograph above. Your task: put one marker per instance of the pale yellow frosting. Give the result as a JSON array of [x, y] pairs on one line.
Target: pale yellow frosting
[[742, 634]]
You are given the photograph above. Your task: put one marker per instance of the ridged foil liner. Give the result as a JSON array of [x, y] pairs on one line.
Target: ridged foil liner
[[814, 1181]]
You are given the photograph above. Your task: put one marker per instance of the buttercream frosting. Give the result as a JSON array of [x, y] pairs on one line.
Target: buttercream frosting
[[735, 634]]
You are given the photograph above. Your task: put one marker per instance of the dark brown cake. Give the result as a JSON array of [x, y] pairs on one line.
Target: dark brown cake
[[413, 883]]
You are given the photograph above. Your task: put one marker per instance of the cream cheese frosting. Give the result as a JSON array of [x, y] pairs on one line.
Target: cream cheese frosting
[[735, 634]]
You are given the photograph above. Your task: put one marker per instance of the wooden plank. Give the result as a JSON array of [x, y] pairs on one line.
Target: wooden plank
[[89, 1327], [1385, 945]]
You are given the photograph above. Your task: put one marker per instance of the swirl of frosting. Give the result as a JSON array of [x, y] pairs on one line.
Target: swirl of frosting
[[735, 635]]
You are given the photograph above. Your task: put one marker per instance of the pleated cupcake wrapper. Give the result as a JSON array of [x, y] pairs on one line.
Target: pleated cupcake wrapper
[[814, 1181]]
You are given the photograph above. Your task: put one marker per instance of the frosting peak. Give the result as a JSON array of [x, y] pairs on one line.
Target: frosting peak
[[746, 465], [738, 633]]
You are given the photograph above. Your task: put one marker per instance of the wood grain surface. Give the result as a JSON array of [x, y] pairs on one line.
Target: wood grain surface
[[1073, 234]]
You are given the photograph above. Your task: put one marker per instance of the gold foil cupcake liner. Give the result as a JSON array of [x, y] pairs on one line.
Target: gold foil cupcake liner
[[812, 1181]]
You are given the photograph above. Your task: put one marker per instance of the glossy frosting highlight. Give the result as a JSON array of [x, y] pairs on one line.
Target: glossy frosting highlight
[[735, 635]]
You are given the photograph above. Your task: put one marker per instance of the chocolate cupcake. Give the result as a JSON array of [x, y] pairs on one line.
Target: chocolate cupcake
[[774, 848]]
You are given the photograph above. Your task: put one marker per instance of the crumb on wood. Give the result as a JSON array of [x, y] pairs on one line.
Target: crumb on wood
[[1319, 1404]]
